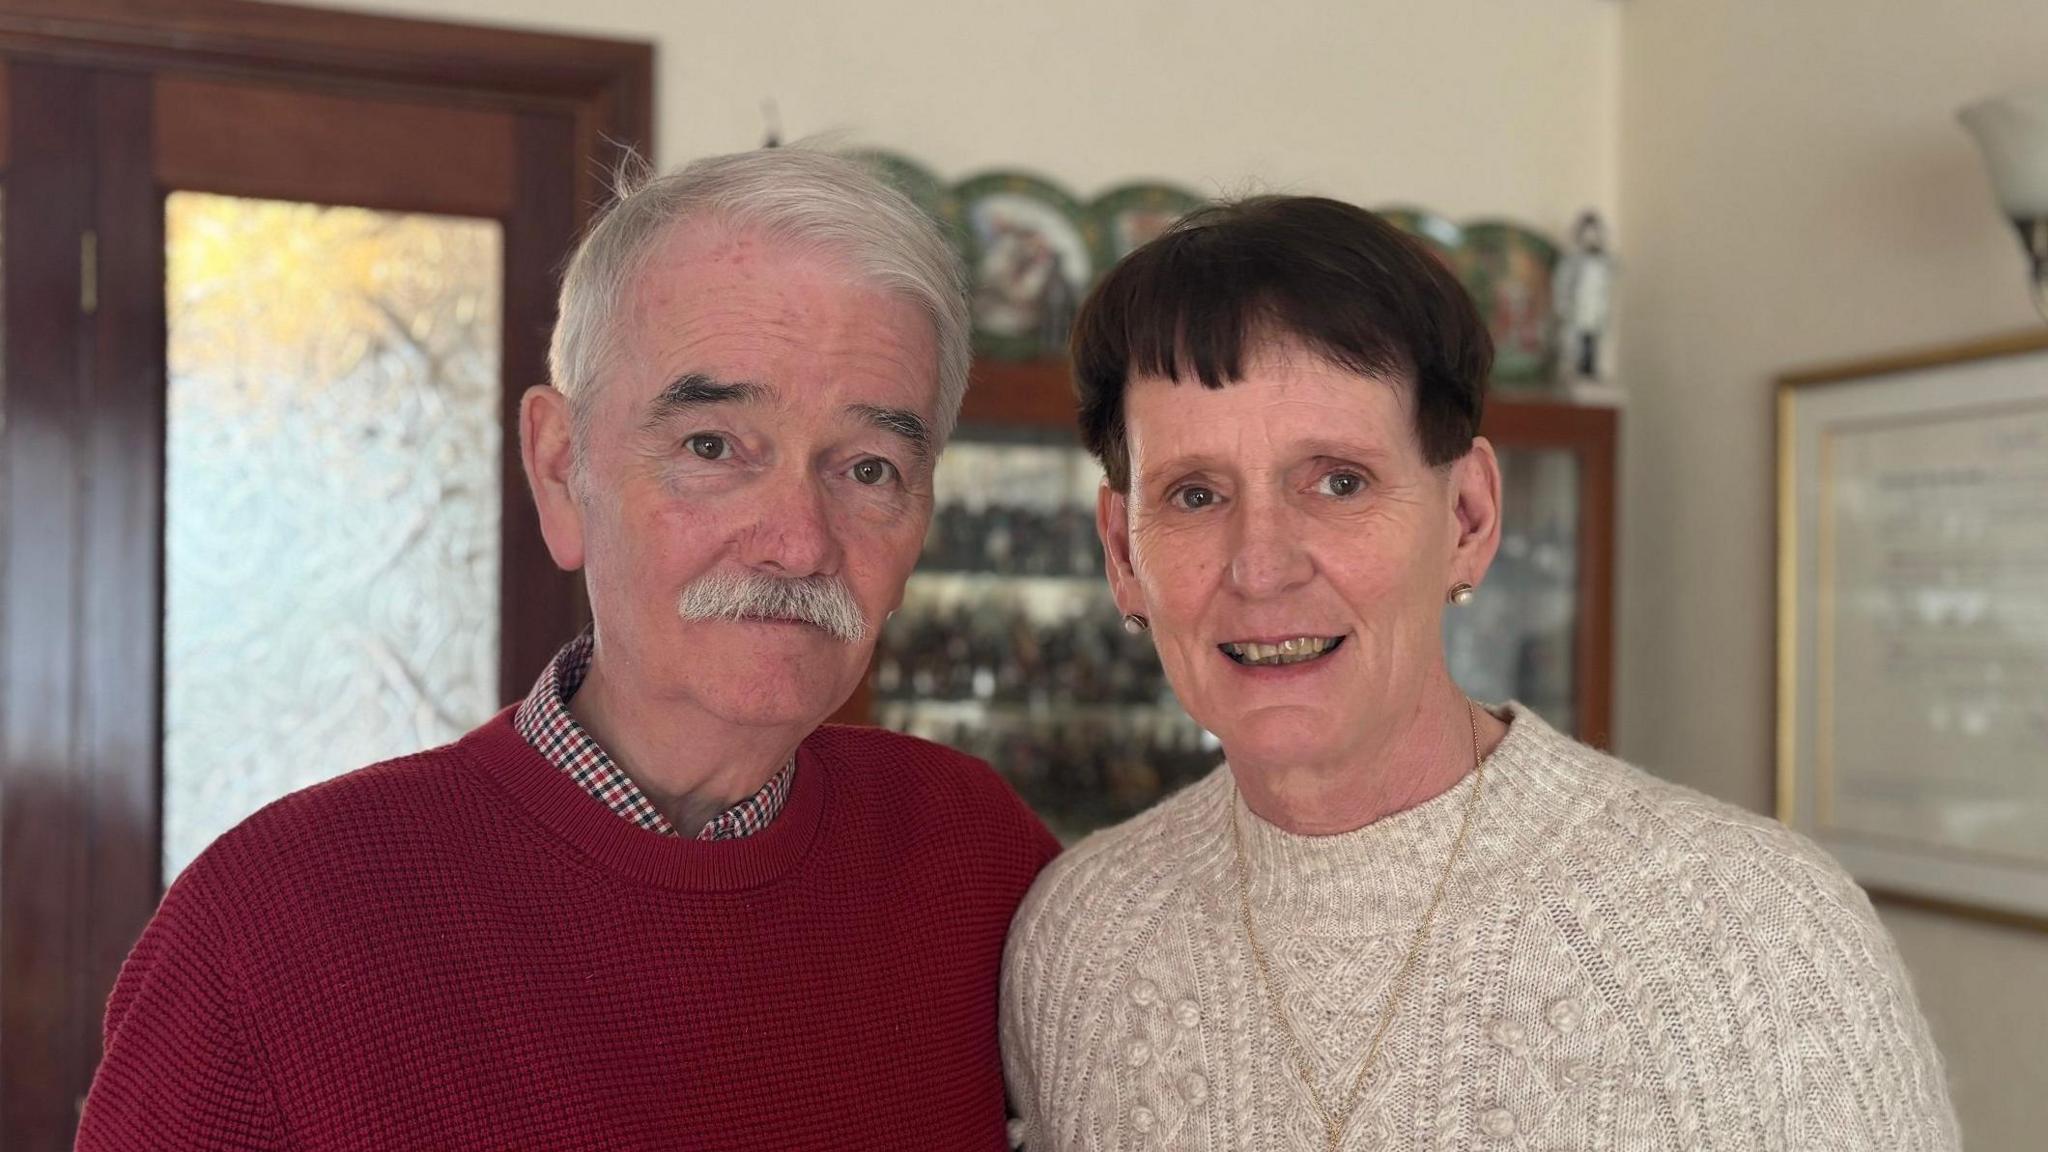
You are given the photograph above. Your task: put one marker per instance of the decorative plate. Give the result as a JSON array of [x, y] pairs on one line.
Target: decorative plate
[[1508, 269], [1131, 214], [1030, 257], [924, 188], [1442, 236]]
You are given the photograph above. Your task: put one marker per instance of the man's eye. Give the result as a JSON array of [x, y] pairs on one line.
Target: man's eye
[[1341, 484], [872, 471], [709, 446], [1193, 496]]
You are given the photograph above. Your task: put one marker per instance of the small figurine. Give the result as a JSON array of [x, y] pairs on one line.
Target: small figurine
[[1057, 306], [1581, 295]]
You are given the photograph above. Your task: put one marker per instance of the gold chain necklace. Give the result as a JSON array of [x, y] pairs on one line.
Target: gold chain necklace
[[1335, 1123]]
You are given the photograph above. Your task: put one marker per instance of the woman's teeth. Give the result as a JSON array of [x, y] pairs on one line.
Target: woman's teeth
[[1294, 651]]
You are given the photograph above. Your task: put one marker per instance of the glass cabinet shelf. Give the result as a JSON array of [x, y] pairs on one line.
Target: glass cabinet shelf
[[1009, 645]]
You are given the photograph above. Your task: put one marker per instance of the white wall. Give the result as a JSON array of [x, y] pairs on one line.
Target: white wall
[[1466, 106], [1796, 190]]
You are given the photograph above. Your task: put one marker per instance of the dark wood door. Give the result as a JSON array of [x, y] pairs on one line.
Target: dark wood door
[[113, 112]]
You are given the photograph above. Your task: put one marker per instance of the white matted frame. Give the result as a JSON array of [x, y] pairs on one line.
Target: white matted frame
[[1913, 621]]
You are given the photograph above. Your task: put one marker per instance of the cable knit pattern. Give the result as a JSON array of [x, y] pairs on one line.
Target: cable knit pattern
[[1620, 964]]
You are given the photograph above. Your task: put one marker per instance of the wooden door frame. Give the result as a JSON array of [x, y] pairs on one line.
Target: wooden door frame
[[82, 448]]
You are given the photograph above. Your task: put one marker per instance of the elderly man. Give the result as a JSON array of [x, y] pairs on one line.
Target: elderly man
[[655, 904]]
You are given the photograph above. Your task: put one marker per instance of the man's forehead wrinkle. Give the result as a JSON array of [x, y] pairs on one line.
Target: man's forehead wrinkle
[[712, 316], [711, 252], [743, 327], [742, 307]]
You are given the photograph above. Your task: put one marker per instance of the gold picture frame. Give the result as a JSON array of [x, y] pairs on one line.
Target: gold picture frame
[[1912, 566]]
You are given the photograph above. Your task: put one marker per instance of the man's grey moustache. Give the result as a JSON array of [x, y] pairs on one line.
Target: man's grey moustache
[[823, 602]]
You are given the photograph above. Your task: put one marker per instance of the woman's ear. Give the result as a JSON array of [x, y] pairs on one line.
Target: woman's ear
[[1475, 494], [1113, 524]]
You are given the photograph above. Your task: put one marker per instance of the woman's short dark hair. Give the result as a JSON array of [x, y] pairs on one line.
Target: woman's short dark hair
[[1199, 301]]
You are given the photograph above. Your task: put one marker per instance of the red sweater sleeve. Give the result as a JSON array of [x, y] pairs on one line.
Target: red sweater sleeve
[[179, 1071]]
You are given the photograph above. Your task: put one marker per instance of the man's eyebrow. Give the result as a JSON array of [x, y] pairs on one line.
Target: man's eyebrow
[[696, 390], [899, 422]]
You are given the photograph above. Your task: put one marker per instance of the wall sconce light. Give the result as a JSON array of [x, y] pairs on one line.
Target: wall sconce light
[[2012, 132]]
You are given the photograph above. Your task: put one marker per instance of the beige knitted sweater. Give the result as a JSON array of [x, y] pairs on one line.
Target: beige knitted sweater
[[1619, 963]]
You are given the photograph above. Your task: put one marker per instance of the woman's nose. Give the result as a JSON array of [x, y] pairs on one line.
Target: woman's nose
[[1269, 557]]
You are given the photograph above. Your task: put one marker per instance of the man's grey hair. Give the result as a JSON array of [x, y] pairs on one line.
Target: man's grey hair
[[797, 195]]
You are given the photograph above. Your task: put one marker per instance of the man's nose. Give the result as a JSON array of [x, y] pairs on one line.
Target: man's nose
[[793, 535]]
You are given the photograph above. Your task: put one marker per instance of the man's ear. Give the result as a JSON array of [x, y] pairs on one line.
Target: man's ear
[[1475, 492], [547, 449], [1113, 524]]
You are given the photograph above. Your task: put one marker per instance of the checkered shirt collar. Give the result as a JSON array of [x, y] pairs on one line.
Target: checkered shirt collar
[[544, 721]]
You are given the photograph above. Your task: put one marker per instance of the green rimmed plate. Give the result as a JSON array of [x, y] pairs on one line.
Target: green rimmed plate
[[1129, 215], [1508, 270], [1442, 235], [1031, 254], [923, 187]]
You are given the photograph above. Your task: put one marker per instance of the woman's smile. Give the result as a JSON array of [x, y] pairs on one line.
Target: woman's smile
[[1280, 653]]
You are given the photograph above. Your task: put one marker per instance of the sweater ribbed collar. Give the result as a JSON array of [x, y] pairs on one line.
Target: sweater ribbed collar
[[567, 811], [1381, 877]]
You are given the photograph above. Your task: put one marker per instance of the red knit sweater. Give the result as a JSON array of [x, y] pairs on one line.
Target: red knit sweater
[[463, 949]]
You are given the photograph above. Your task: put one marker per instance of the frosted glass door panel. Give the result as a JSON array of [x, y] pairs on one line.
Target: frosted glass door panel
[[331, 497]]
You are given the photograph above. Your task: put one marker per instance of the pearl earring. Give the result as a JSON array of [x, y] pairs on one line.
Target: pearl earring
[[1462, 593], [1134, 623]]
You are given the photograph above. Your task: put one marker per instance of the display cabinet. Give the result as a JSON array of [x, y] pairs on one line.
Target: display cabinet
[[1009, 646]]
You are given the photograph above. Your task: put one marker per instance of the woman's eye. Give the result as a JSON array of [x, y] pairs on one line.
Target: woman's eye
[[873, 471], [1341, 484], [1193, 496], [708, 446]]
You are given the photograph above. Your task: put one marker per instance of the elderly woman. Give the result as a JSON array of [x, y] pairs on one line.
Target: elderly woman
[[1394, 919]]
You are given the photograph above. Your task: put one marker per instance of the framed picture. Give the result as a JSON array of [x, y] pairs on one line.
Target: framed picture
[[1913, 621], [1031, 257]]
